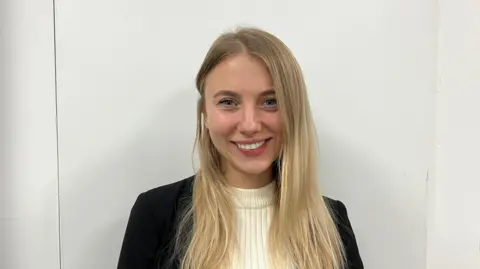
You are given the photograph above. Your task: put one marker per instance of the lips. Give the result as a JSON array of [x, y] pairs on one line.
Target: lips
[[251, 146]]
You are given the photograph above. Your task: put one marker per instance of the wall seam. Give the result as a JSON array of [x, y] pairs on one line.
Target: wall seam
[[60, 261]]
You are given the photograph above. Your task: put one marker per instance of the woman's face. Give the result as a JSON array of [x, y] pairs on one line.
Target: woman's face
[[241, 114]]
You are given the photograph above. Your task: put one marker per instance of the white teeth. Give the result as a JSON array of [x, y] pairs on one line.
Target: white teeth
[[251, 146]]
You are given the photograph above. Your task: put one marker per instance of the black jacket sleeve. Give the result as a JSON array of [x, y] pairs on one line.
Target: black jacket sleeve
[[348, 237], [141, 238]]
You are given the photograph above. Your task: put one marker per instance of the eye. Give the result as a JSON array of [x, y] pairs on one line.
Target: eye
[[270, 103], [227, 102]]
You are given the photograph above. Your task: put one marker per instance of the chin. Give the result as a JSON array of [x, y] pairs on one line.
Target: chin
[[255, 168]]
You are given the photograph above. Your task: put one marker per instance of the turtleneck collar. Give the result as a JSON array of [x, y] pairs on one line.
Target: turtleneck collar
[[254, 198]]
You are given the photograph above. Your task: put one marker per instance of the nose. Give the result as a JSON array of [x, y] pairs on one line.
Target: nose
[[250, 123]]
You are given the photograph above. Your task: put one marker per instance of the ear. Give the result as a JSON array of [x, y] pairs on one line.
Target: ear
[[205, 122], [202, 111], [204, 115]]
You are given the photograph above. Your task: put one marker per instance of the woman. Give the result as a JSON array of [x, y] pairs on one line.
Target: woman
[[255, 201]]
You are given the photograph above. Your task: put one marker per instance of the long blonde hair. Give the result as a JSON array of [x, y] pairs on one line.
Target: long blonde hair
[[302, 231]]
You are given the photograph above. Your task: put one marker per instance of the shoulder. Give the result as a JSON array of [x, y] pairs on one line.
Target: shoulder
[[150, 225], [160, 203], [168, 193], [338, 211]]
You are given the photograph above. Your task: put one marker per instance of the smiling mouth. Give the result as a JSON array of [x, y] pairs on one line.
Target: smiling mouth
[[251, 146]]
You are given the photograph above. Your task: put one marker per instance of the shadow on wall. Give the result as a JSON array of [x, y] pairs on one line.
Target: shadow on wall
[[378, 208], [4, 244], [337, 163], [106, 188], [3, 95]]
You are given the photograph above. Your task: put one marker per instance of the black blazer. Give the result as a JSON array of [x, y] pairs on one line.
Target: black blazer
[[150, 228]]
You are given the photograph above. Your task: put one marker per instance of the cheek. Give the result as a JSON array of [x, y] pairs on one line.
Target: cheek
[[220, 125], [275, 124], [276, 127]]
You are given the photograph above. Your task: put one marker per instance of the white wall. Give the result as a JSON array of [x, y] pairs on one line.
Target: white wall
[[454, 203], [28, 172], [127, 110], [126, 114]]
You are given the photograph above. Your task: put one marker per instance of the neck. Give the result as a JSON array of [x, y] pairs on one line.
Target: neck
[[241, 180]]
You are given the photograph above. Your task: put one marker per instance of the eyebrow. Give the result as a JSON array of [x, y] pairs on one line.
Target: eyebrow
[[234, 94]]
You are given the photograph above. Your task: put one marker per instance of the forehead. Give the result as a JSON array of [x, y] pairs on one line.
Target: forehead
[[242, 73]]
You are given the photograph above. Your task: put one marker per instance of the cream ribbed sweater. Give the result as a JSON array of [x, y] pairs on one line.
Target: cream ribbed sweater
[[254, 208]]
